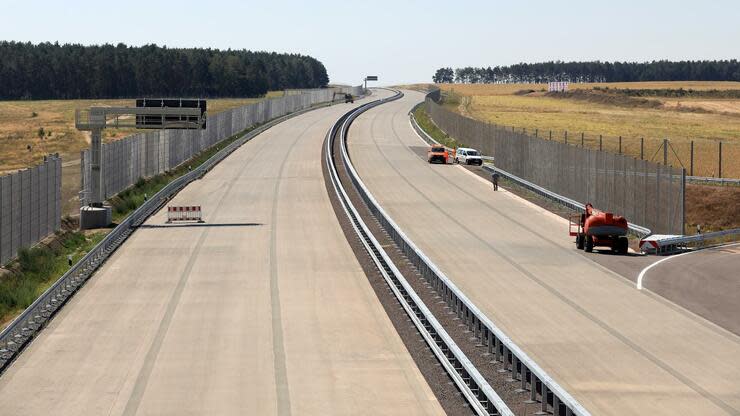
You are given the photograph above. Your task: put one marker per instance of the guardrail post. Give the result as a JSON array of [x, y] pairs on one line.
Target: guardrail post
[[523, 378], [532, 389], [543, 408], [512, 376], [504, 360], [497, 355]]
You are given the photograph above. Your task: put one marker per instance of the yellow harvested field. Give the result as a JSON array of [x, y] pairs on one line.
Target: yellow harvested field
[[508, 89], [19, 128], [705, 121], [718, 106]]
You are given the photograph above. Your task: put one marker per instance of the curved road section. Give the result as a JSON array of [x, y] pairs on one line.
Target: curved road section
[[705, 281], [261, 310], [617, 350]]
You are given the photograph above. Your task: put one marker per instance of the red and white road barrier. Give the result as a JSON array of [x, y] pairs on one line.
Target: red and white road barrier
[[191, 213]]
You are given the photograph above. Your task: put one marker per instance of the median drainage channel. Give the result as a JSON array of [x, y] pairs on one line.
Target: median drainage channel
[[456, 382], [518, 382]]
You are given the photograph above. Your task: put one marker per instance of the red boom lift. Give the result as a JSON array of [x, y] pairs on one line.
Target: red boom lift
[[597, 228]]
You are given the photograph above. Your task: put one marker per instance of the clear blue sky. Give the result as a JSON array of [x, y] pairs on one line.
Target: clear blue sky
[[401, 41]]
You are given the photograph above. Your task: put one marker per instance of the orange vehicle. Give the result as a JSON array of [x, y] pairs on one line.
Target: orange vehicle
[[597, 228], [439, 154]]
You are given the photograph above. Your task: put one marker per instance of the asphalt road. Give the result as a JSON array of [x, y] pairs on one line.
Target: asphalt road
[[617, 350], [706, 282], [261, 310]]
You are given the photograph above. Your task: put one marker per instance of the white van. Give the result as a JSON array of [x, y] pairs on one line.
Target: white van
[[468, 156]]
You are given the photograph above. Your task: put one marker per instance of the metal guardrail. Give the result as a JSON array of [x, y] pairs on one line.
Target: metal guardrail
[[570, 203], [716, 181], [676, 244], [26, 325], [533, 378], [481, 396]]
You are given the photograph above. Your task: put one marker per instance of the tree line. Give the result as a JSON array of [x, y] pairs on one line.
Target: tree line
[[595, 71], [71, 71]]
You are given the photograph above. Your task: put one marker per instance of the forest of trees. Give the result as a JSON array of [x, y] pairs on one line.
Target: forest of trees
[[726, 70], [54, 71]]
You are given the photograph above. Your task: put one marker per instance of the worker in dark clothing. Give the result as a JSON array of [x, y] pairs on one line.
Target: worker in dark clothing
[[494, 180]]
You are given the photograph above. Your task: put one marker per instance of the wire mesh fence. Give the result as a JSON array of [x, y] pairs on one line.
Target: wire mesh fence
[[30, 206], [700, 157], [144, 155], [646, 193]]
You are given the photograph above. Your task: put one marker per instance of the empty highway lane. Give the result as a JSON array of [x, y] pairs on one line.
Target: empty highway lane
[[261, 310], [617, 350]]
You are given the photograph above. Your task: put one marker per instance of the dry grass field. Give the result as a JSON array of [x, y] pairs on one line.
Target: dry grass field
[[21, 145], [20, 122], [706, 121]]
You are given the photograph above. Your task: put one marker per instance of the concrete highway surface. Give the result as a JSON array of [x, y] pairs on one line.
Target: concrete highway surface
[[706, 282], [617, 350], [261, 310]]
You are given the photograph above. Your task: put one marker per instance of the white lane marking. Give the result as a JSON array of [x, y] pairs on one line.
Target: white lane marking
[[641, 276]]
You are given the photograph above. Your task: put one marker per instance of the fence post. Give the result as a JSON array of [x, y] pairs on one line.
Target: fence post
[[536, 131], [620, 145], [665, 152], [642, 148], [550, 134], [691, 163], [582, 139], [566, 137], [719, 175], [600, 143], [683, 199]]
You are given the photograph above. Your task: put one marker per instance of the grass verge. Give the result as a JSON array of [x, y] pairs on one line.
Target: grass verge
[[426, 124], [38, 267]]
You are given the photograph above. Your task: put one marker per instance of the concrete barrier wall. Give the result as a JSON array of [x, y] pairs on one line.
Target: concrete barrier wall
[[30, 206], [147, 154]]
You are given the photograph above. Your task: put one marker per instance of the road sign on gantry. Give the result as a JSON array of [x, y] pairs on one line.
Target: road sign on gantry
[[170, 120], [370, 78]]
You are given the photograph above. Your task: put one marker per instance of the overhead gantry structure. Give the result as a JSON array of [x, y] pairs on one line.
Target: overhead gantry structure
[[148, 114]]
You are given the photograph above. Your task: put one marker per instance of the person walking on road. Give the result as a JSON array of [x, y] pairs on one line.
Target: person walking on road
[[494, 180]]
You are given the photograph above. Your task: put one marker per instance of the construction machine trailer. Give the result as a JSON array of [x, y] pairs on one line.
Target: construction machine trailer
[[596, 228]]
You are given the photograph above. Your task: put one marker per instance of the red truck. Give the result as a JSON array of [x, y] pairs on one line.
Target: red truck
[[597, 228]]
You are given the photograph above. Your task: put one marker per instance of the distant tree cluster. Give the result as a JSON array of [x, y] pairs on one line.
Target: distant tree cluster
[[53, 71], [726, 70]]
